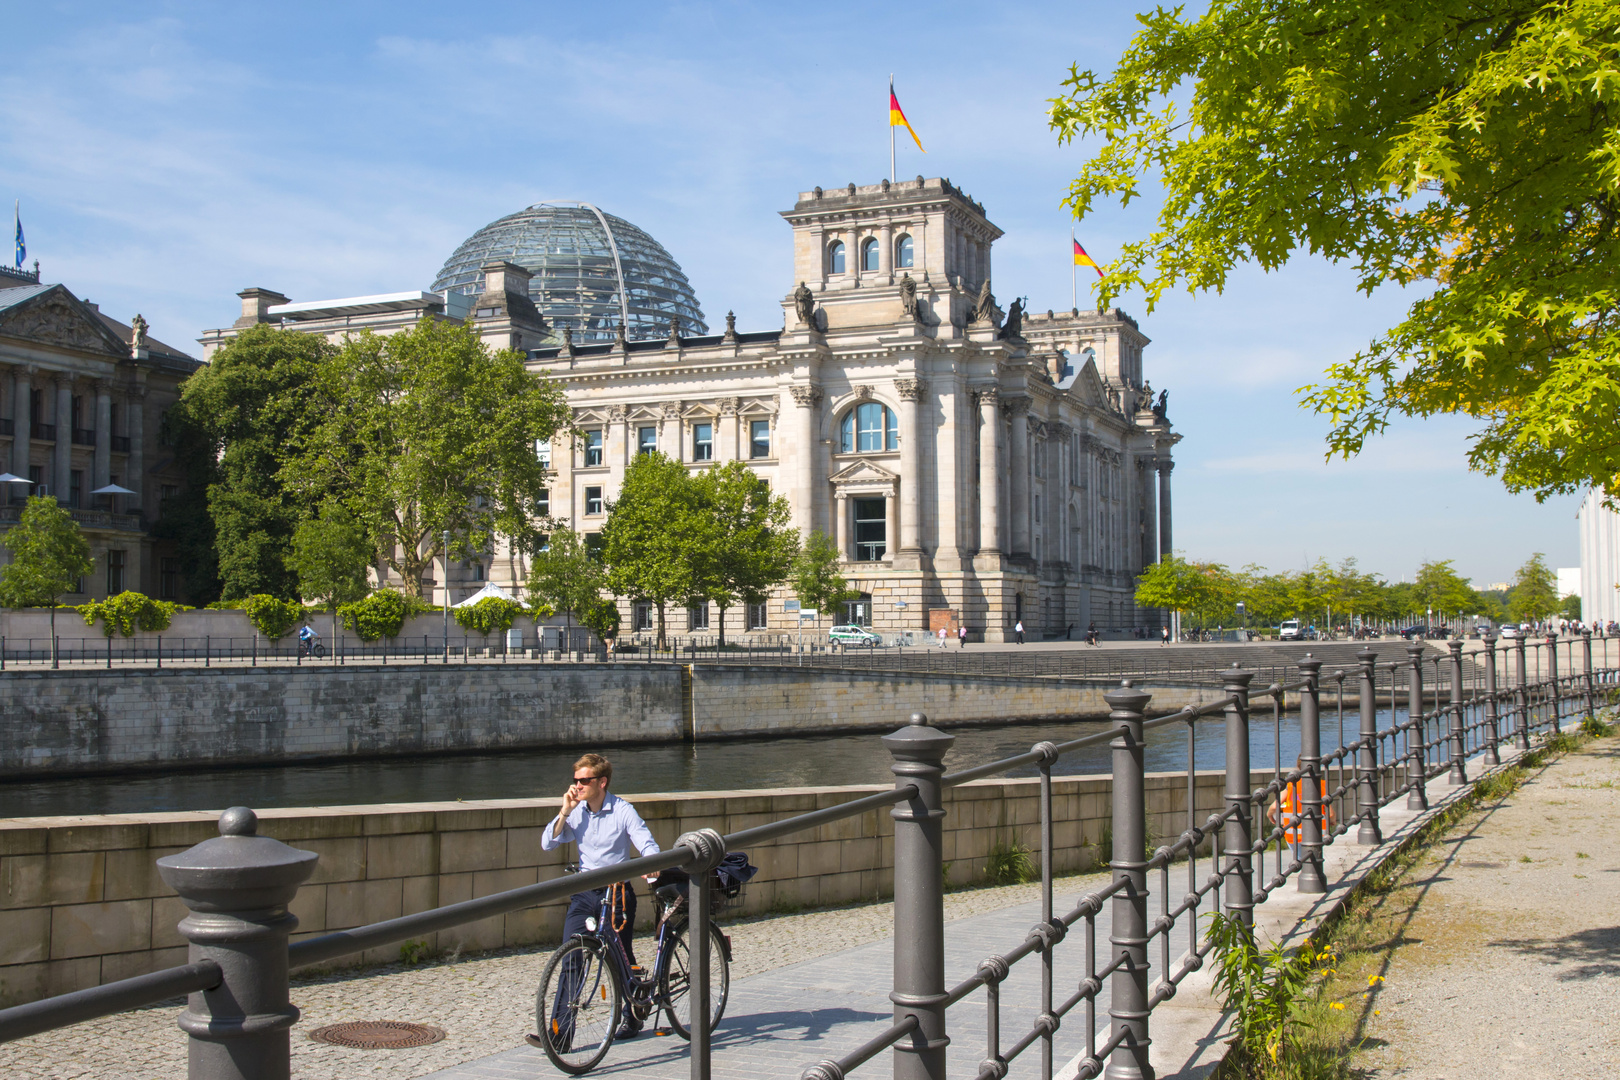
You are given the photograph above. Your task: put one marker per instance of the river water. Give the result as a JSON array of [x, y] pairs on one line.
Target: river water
[[770, 762]]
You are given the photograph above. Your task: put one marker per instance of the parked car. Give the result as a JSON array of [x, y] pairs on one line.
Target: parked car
[[1423, 630], [854, 635], [1290, 631]]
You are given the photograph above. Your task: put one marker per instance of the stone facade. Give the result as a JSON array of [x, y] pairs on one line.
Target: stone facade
[[974, 466], [82, 398]]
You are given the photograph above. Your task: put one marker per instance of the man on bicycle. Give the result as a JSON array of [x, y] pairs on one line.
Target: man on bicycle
[[308, 637], [605, 827]]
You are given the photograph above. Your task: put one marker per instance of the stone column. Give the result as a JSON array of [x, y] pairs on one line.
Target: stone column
[[888, 525], [841, 523], [1018, 473], [22, 421], [1165, 467], [990, 542], [911, 425], [136, 423], [62, 457], [669, 430], [727, 436], [103, 466], [806, 398], [1063, 439], [886, 254]]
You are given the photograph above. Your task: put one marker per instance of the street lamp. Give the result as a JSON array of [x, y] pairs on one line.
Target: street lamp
[[446, 586]]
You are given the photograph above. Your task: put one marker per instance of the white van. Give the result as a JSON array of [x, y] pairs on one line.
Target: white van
[[1290, 631]]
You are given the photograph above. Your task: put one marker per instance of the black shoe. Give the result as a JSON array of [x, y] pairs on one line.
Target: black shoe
[[628, 1030]]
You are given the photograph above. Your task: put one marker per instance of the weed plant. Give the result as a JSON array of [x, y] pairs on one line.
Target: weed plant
[[1009, 863]]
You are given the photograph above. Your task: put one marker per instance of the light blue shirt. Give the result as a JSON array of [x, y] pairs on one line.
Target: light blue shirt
[[604, 836]]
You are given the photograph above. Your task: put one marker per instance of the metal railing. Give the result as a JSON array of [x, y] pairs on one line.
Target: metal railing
[[239, 885]]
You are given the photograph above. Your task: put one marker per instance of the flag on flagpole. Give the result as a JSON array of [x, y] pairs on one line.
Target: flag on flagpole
[[22, 248], [897, 117], [1082, 259]]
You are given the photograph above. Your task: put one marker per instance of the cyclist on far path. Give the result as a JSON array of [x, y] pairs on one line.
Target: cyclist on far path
[[308, 637], [605, 827]]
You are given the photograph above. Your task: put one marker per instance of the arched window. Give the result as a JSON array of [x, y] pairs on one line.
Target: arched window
[[869, 428], [903, 253], [869, 254], [835, 257]]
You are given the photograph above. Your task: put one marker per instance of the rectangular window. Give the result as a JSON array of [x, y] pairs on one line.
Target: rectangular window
[[115, 572], [643, 617], [702, 442], [167, 492], [871, 529], [542, 450], [593, 545], [647, 440], [756, 617], [1037, 509], [168, 579], [759, 438], [542, 503], [593, 448], [697, 617], [76, 488], [593, 500], [36, 477]]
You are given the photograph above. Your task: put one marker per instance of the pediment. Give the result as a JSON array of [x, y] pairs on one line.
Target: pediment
[[864, 472], [1088, 385], [57, 317]]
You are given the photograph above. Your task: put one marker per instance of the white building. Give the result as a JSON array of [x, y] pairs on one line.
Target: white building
[[1600, 560]]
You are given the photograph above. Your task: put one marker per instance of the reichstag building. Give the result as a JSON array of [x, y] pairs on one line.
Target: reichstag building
[[976, 465]]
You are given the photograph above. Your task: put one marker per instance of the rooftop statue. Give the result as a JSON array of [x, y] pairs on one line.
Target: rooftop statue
[[1162, 404], [137, 327], [1014, 326], [984, 309], [908, 295], [804, 301]]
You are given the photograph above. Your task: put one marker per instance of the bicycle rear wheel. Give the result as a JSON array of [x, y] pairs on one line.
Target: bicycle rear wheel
[[577, 1006], [674, 984]]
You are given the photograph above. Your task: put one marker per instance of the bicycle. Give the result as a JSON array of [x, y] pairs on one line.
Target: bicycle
[[312, 647], [589, 981]]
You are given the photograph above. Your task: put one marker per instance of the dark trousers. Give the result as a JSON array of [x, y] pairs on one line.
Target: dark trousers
[[585, 905]]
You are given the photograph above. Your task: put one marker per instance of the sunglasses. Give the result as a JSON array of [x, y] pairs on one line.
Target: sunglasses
[[583, 779]]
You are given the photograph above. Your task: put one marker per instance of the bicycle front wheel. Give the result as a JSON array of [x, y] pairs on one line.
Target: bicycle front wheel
[[577, 1006], [674, 985]]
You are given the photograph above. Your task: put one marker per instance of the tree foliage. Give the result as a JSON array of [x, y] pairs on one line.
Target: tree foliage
[[48, 556], [128, 613], [744, 545], [381, 615], [491, 615], [567, 576], [1471, 149], [272, 616], [425, 432], [1440, 589], [1175, 584], [646, 542], [815, 577], [331, 556], [1535, 591]]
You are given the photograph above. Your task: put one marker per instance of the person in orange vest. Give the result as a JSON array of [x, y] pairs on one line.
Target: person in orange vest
[[1290, 809]]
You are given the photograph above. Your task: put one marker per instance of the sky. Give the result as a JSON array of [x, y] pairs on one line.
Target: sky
[[168, 155]]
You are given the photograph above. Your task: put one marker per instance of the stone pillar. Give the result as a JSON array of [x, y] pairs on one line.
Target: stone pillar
[[841, 523], [103, 466], [886, 254], [727, 438], [62, 456], [803, 490], [1165, 467], [1018, 473], [889, 546], [911, 425], [135, 421], [990, 542], [21, 420]]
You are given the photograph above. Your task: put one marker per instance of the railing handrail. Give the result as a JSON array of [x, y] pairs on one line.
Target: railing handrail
[[21, 1021]]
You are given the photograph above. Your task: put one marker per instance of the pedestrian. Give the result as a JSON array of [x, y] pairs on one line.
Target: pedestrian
[[961, 636], [1164, 635], [1018, 630], [942, 637]]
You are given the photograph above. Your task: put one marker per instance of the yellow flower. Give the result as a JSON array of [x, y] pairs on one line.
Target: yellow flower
[[1377, 1013], [1337, 1004], [1373, 980]]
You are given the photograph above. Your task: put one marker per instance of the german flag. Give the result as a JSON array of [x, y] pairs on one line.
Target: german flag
[[1082, 259], [897, 118]]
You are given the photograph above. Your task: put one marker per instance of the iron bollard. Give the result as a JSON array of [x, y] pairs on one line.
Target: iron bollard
[[1311, 878], [1552, 678], [238, 886], [1239, 839], [1367, 756], [919, 898], [1459, 749], [1586, 664], [708, 850], [1417, 795], [1128, 986], [1492, 706], [1521, 693]]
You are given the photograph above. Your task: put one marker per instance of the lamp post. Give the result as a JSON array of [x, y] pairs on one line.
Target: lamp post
[[445, 584]]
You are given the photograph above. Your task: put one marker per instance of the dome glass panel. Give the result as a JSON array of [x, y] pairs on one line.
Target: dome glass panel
[[591, 270]]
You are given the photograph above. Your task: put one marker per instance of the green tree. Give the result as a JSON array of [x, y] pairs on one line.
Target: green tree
[[647, 539], [331, 556], [48, 557], [1570, 607], [815, 577], [1441, 590], [567, 576], [1184, 587], [239, 420], [426, 432], [1467, 149], [1535, 590], [745, 546]]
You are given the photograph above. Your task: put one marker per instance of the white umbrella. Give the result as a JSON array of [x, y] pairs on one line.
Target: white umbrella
[[112, 489], [489, 589], [13, 478]]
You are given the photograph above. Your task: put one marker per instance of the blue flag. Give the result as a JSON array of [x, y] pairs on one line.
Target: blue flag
[[22, 248]]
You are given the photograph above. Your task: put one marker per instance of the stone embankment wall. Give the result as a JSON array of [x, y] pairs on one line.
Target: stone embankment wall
[[81, 902], [78, 721]]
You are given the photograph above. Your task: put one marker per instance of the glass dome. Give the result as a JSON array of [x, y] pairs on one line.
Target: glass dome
[[591, 271]]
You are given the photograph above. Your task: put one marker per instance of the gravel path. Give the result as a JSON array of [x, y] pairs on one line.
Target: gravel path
[[1509, 958], [485, 1002]]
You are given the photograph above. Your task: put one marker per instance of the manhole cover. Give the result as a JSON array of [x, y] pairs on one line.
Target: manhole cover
[[378, 1034]]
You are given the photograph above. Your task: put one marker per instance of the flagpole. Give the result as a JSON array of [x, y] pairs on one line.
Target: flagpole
[[1074, 281], [891, 131]]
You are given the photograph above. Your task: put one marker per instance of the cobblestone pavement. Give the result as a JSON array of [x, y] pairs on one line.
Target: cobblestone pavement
[[486, 1002], [1510, 956]]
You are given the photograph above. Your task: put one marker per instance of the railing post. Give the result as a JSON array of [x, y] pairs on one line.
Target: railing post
[[1369, 832], [1492, 706], [708, 850], [1586, 664], [1238, 843], [1417, 795], [238, 886], [1552, 677], [1459, 749], [1311, 878], [1128, 986], [918, 753], [1521, 693]]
